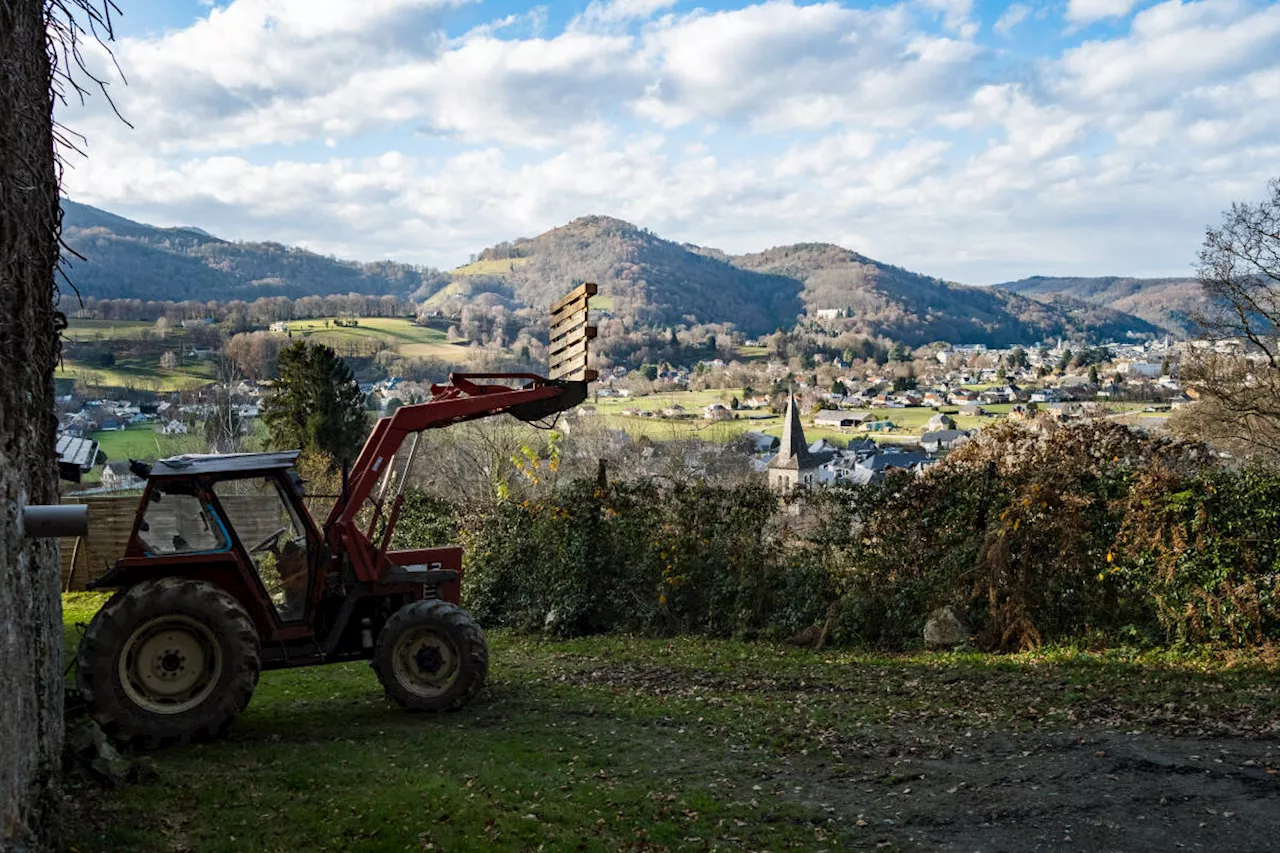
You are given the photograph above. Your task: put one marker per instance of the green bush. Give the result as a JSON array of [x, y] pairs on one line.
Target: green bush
[[1205, 550], [637, 557], [1050, 533]]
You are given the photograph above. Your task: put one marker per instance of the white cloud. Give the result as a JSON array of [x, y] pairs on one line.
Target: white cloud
[[1011, 17], [1173, 47], [955, 13], [780, 66], [1088, 11], [611, 13], [741, 128]]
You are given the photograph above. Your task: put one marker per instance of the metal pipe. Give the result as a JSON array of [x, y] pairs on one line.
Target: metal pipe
[[51, 522], [404, 475]]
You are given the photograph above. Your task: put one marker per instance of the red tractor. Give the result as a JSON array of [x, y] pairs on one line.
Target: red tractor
[[226, 573]]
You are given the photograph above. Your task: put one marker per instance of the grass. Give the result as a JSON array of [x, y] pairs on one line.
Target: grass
[[396, 333], [140, 373], [909, 423], [612, 743], [496, 267], [144, 442], [89, 330]]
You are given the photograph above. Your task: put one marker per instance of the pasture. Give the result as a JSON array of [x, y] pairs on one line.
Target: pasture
[[622, 743]]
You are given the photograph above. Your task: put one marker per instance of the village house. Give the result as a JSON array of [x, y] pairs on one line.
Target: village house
[[837, 419], [116, 475], [943, 439], [878, 426], [759, 442], [940, 422]]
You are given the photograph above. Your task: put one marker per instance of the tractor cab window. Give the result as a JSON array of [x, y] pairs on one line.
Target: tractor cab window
[[176, 521], [275, 538]]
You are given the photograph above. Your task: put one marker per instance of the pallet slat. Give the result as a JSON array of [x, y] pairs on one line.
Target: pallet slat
[[578, 336], [582, 291], [576, 351]]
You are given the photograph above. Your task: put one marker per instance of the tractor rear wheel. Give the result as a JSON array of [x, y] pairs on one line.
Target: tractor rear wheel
[[431, 656], [168, 660]]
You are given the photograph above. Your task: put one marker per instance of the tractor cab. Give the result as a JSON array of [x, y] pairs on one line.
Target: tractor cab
[[239, 516]]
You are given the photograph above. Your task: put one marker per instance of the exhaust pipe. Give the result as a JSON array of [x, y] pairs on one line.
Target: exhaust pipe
[[54, 522]]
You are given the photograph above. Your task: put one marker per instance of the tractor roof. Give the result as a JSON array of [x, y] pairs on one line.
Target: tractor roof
[[217, 463]]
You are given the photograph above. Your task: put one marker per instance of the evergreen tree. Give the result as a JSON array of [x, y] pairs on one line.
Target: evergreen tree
[[318, 405]]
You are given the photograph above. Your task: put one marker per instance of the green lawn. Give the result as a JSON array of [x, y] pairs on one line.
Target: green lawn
[[607, 744], [144, 442]]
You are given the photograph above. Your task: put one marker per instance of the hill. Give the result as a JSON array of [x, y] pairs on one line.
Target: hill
[[124, 259], [646, 281], [651, 281], [879, 299], [1166, 302], [644, 278]]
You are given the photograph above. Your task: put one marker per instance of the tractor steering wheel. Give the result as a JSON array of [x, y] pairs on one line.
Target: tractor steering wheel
[[268, 543]]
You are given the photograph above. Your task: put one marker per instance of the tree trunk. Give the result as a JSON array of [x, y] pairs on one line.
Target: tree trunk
[[30, 608]]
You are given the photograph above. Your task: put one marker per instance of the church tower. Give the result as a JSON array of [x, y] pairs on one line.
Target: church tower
[[793, 466]]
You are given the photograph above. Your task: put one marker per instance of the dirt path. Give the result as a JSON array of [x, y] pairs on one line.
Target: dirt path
[[1092, 790], [1176, 763]]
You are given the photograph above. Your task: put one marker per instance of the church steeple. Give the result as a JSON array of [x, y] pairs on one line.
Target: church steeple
[[794, 451]]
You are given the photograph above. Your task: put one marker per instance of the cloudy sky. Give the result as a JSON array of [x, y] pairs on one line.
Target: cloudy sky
[[975, 141]]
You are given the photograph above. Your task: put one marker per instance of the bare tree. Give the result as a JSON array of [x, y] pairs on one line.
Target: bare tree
[[223, 428], [1236, 367]]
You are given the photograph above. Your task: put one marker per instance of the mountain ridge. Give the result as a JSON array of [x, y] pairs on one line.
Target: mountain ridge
[[1170, 302], [646, 282], [124, 259]]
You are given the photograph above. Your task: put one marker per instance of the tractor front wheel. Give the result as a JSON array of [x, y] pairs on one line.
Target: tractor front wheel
[[431, 656], [168, 660]]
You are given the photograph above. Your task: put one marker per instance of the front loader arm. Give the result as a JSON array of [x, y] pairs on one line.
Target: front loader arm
[[464, 397]]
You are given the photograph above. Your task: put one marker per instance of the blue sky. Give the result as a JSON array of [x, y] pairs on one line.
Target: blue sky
[[974, 141]]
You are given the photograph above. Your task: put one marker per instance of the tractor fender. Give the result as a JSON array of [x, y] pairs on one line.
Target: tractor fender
[[222, 574]]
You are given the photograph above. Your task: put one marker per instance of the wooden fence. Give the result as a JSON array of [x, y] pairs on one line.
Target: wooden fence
[[87, 558]]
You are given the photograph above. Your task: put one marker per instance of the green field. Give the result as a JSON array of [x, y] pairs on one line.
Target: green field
[[747, 353], [619, 743], [88, 330], [143, 374], [145, 442], [909, 423], [401, 335], [498, 267]]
